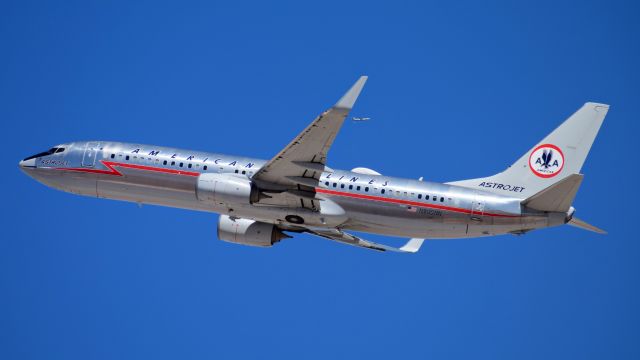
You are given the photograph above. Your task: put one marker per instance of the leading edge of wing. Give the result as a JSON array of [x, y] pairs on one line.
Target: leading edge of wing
[[305, 156]]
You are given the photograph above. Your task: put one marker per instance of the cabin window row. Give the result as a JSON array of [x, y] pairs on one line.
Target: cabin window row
[[180, 164], [383, 191], [342, 186], [419, 196], [166, 163], [433, 197], [335, 185]]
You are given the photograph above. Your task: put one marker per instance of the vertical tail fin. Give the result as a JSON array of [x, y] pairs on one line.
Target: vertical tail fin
[[558, 156]]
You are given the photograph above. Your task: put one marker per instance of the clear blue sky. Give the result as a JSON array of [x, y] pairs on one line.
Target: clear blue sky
[[456, 90]]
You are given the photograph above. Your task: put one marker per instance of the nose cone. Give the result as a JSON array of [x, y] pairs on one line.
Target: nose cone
[[30, 163]]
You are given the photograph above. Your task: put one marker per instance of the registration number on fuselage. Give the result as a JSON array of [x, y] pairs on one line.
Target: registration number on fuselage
[[53, 162], [432, 212]]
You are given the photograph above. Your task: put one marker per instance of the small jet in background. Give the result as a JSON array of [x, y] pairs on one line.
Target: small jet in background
[[360, 118]]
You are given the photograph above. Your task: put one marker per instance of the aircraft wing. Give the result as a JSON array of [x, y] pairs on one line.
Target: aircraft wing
[[296, 169], [412, 246]]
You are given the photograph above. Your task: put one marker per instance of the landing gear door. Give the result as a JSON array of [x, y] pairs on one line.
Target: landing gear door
[[90, 151]]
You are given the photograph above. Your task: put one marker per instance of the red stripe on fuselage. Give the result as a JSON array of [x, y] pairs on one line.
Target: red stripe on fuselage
[[406, 202], [113, 171]]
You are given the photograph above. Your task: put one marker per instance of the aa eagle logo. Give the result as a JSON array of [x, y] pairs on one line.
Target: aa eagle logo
[[546, 160]]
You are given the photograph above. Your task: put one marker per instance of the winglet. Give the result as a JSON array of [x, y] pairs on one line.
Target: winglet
[[348, 99], [412, 245]]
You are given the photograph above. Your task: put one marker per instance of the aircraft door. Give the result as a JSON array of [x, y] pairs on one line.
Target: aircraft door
[[90, 152], [477, 207]]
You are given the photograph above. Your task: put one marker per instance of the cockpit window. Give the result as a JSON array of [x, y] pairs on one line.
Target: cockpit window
[[54, 150]]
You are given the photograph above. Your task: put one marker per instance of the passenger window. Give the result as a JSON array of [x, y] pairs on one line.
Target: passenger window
[[419, 196], [205, 167], [335, 184], [358, 188], [181, 164], [326, 183], [441, 199], [236, 171], [127, 158], [366, 189], [350, 187], [243, 172], [382, 191], [342, 186], [173, 163], [189, 166], [426, 197], [164, 162], [113, 156]]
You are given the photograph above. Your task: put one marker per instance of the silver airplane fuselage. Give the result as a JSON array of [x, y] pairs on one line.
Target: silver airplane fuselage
[[365, 202]]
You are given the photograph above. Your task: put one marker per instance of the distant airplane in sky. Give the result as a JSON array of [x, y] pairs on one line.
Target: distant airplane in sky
[[296, 192], [360, 118]]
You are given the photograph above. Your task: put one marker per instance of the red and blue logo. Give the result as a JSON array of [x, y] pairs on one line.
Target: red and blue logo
[[546, 161]]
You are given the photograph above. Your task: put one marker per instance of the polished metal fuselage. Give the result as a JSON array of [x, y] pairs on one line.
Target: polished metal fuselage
[[377, 204]]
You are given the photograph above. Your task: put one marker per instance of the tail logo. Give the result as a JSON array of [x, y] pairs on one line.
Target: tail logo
[[546, 161]]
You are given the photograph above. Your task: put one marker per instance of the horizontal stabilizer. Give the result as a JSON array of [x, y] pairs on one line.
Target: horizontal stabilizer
[[557, 197], [583, 225], [365, 171]]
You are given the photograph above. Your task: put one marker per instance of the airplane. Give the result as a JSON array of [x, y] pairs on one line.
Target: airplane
[[261, 202], [360, 119]]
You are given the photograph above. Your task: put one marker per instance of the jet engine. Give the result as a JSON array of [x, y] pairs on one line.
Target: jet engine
[[221, 189], [248, 232]]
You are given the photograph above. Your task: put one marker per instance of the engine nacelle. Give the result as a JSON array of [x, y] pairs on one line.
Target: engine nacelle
[[221, 189], [248, 232]]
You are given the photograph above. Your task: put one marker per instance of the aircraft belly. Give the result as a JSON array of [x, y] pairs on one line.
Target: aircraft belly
[[402, 220], [72, 182], [145, 194], [180, 192], [150, 188]]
